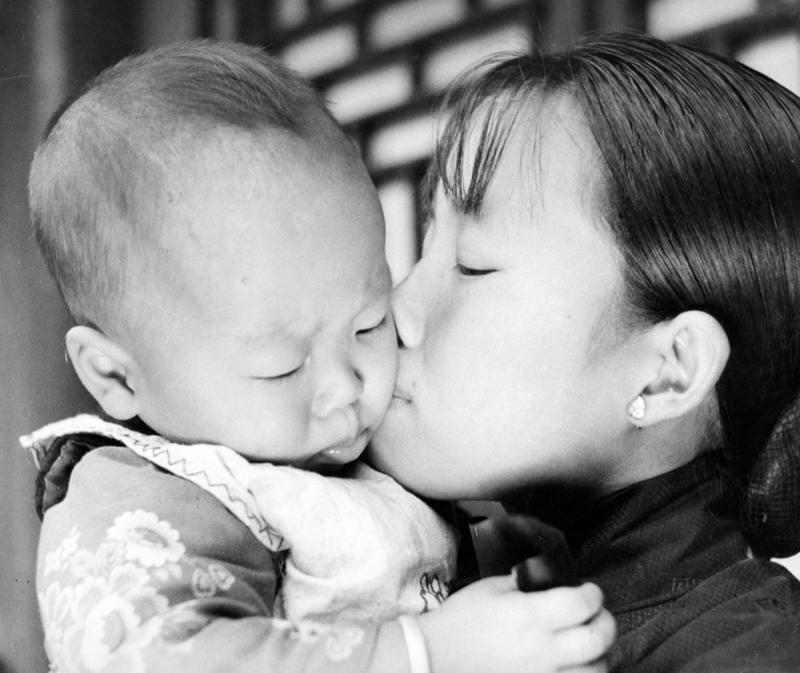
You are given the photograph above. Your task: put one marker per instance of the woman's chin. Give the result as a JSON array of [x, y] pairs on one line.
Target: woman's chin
[[411, 472], [402, 465]]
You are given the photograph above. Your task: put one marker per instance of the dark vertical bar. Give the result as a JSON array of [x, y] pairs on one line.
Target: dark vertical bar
[[615, 15], [256, 17], [536, 18], [206, 18], [566, 21], [99, 33]]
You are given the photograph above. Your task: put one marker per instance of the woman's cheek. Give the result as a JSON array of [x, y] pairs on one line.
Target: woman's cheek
[[458, 372]]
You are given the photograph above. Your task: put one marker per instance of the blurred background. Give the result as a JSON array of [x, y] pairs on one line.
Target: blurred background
[[382, 64]]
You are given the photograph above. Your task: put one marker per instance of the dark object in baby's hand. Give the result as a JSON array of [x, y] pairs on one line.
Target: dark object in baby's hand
[[541, 572], [537, 552]]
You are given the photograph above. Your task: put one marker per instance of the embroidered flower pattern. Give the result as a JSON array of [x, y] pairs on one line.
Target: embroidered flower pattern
[[431, 587], [147, 540], [207, 581], [54, 559], [112, 621], [103, 609], [339, 639]]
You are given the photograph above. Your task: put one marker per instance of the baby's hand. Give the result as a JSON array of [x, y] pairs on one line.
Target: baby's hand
[[491, 627]]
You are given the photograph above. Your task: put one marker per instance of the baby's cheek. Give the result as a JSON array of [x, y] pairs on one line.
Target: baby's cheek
[[381, 395], [288, 419], [385, 365]]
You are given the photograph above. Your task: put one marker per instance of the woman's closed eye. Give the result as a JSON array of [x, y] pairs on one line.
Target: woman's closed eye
[[472, 271]]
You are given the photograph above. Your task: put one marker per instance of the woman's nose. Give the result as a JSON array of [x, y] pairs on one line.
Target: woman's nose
[[341, 386], [407, 309]]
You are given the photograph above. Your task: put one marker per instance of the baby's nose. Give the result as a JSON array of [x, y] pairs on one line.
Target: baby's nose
[[342, 387]]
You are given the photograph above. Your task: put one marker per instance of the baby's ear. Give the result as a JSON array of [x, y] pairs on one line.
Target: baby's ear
[[694, 350], [102, 367]]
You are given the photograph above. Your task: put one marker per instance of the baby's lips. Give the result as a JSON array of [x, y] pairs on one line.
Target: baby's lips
[[347, 450]]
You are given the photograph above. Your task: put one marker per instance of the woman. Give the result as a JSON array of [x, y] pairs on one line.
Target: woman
[[603, 331]]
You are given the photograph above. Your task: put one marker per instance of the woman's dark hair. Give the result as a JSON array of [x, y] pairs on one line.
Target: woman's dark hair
[[702, 194]]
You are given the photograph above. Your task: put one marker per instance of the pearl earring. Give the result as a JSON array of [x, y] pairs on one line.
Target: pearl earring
[[637, 409]]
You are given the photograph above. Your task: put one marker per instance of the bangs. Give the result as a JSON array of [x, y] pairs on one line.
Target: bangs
[[484, 104]]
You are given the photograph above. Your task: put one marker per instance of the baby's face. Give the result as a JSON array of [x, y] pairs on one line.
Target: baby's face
[[270, 329]]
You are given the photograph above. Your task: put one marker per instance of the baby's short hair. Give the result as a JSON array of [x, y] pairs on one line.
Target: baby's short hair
[[105, 152]]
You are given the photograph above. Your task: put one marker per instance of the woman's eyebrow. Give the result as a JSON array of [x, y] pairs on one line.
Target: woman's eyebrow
[[475, 234]]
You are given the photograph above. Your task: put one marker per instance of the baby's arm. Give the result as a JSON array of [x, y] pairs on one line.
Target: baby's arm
[[490, 627], [360, 547], [142, 571]]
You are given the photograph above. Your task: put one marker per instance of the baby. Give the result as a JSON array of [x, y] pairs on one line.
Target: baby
[[220, 247]]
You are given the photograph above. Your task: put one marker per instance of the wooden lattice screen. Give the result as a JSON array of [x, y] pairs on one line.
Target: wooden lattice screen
[[383, 64]]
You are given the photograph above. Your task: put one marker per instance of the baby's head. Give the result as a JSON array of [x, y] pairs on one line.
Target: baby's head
[[220, 246]]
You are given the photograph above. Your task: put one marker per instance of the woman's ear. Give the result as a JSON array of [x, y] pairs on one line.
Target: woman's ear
[[694, 350], [102, 366]]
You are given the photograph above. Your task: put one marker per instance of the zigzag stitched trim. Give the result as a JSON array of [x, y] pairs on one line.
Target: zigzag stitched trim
[[159, 451]]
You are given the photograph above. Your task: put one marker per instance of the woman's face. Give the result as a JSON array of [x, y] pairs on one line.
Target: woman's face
[[512, 365]]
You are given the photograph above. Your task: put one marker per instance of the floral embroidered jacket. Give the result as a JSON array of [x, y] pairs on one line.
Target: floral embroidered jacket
[[166, 561]]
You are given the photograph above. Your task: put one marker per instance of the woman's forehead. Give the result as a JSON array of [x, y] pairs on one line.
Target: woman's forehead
[[514, 144]]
